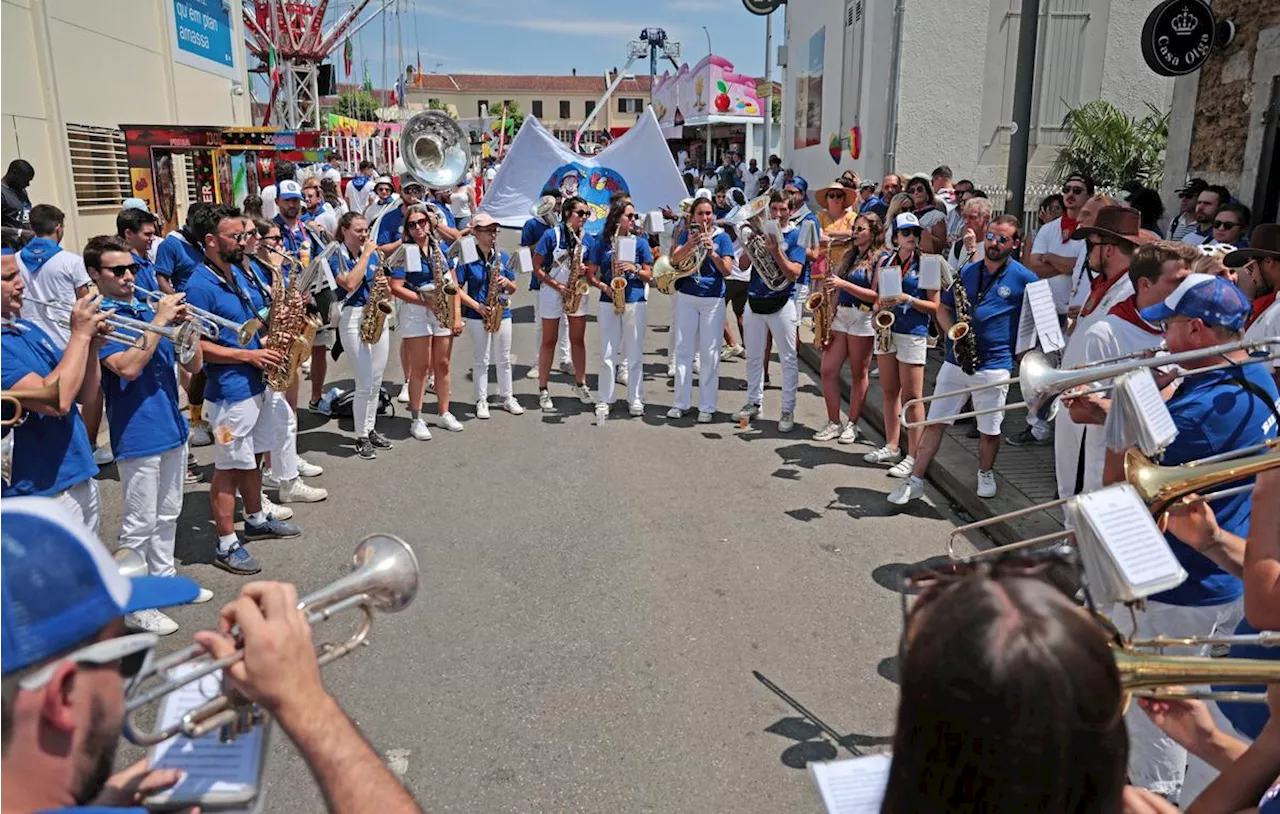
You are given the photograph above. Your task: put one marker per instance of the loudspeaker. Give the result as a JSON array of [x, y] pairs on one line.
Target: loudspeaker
[[327, 80]]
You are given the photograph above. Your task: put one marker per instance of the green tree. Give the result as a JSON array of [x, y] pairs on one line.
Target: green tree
[[436, 104], [515, 117], [776, 107], [360, 105], [1111, 146]]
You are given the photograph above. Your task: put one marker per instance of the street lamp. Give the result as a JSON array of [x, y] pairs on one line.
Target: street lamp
[[709, 107]]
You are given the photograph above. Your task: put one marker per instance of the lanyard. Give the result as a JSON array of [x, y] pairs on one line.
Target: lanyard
[[245, 302], [983, 289]]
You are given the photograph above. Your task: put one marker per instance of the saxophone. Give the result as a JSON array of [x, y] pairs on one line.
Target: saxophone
[[292, 327], [882, 322], [963, 341], [444, 290], [576, 287], [373, 319], [617, 282], [496, 298], [823, 304]]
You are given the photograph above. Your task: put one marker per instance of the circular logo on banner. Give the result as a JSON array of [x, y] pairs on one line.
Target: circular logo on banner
[[595, 185], [1004, 291], [1178, 36]]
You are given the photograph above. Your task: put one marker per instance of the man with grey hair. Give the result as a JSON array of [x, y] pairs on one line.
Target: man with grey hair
[[971, 244]]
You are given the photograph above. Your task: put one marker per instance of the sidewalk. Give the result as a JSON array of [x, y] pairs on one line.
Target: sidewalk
[[1025, 475]]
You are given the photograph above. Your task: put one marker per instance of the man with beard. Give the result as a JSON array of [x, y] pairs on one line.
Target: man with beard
[[67, 659], [243, 424], [994, 287]]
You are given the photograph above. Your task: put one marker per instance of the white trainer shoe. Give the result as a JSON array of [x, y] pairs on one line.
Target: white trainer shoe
[[544, 401], [309, 470], [902, 468], [306, 366], [403, 395], [102, 455], [748, 410], [482, 409], [200, 435], [671, 370], [705, 417], [828, 433], [602, 413], [584, 394], [697, 365], [566, 366], [533, 372], [512, 406], [450, 423], [787, 421], [636, 409], [269, 480], [886, 454], [431, 384], [204, 596], [418, 429], [275, 509], [150, 621], [622, 376], [675, 412], [849, 435], [296, 491], [913, 489], [986, 483]]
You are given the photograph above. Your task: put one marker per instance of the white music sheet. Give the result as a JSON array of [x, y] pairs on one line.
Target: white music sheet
[[1138, 559], [772, 229], [654, 224], [1038, 308], [853, 786], [469, 252], [931, 272], [890, 282], [526, 260], [626, 250], [1149, 414], [412, 256]]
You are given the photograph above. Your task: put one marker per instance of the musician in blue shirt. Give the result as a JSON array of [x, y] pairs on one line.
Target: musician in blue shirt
[[623, 330], [494, 268], [532, 231], [558, 252], [772, 312], [137, 228]]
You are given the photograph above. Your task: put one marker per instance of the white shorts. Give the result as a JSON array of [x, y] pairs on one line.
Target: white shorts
[[241, 430], [419, 320], [909, 348], [854, 321], [951, 377], [551, 304]]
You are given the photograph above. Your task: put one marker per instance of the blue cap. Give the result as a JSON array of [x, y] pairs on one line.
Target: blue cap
[[1213, 300], [799, 183], [290, 190], [59, 586]]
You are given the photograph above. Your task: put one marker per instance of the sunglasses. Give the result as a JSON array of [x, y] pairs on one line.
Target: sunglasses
[[120, 271], [582, 213], [272, 238], [835, 194], [1074, 190], [628, 215], [911, 231], [238, 237], [999, 240], [420, 223], [1225, 224], [131, 651]]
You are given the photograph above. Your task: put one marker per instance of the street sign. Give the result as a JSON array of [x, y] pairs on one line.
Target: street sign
[[1178, 37], [762, 7]]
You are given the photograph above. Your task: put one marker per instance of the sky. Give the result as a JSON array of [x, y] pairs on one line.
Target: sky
[[551, 36]]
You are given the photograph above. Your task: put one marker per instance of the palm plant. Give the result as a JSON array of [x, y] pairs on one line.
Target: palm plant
[[1111, 146]]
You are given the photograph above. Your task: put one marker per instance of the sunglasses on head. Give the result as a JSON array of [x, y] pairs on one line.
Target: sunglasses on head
[[120, 271], [999, 240], [131, 652]]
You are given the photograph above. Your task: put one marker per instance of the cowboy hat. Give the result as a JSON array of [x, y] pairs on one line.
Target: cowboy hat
[[820, 194], [1115, 222], [1264, 242]]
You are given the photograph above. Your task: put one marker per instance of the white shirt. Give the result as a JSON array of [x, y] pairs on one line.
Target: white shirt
[[268, 195], [1266, 325], [460, 202], [326, 219], [1195, 238], [1049, 241], [490, 174], [751, 183], [56, 281], [358, 199]]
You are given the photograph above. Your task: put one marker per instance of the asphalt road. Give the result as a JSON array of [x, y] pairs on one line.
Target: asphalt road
[[594, 599]]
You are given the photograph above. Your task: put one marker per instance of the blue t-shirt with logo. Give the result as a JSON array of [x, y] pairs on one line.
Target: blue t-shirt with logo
[[794, 252], [177, 260], [475, 276], [208, 290], [907, 319], [1214, 413], [359, 295], [707, 281], [142, 415], [601, 255], [146, 274], [995, 312], [530, 234], [50, 453]]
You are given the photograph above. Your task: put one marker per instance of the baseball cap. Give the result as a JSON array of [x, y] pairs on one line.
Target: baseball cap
[[1193, 186], [289, 190], [134, 203], [799, 183], [59, 586], [867, 183], [905, 220], [1213, 300], [407, 180], [482, 220]]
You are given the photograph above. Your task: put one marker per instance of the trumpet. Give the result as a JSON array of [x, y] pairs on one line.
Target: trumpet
[[384, 578], [47, 396], [208, 321], [132, 333]]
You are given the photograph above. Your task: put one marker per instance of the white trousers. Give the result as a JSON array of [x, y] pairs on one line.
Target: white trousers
[[82, 501], [699, 324], [562, 346], [622, 342], [486, 348], [782, 325], [369, 361], [284, 460], [152, 502]]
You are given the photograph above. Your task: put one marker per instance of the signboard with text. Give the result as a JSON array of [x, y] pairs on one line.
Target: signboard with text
[[203, 35], [1178, 36]]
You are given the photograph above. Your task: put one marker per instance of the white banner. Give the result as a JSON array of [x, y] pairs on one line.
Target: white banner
[[638, 162]]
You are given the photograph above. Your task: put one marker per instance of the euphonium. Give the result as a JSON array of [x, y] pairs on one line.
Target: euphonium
[[617, 282], [963, 341], [373, 319], [576, 287], [752, 216], [496, 298]]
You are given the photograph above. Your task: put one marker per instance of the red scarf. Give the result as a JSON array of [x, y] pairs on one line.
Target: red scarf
[[1068, 225], [1097, 290], [1128, 311], [1259, 305]]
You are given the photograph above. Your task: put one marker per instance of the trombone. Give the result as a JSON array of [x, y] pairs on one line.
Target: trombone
[[384, 577], [1042, 384], [47, 396], [209, 322], [132, 333]]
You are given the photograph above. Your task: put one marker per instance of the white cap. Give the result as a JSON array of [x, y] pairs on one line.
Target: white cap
[[904, 220]]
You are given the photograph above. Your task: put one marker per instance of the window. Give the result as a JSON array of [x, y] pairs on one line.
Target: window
[[507, 103], [588, 107], [630, 104], [564, 109], [482, 107], [536, 108], [99, 167]]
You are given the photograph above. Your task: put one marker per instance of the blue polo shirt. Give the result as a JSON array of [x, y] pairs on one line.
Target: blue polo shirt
[[358, 296], [908, 320], [1215, 414], [178, 260], [142, 414], [475, 276], [601, 255], [417, 279], [817, 230], [707, 281], [50, 453], [1246, 717], [995, 314], [863, 275], [146, 276], [795, 253], [389, 228], [552, 239], [292, 240], [530, 234], [208, 290]]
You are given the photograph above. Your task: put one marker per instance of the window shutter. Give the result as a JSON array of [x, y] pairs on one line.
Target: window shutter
[[99, 167]]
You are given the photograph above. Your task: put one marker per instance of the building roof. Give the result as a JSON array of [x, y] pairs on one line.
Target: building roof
[[521, 83]]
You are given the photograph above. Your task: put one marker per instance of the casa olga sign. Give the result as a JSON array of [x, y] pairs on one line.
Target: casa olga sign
[[1178, 36]]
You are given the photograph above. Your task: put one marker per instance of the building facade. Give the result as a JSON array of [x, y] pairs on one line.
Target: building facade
[[910, 85]]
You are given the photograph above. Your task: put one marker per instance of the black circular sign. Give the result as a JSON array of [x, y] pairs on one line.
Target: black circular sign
[[1178, 37], [762, 7]]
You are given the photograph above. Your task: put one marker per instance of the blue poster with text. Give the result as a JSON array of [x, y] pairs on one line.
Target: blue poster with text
[[204, 30]]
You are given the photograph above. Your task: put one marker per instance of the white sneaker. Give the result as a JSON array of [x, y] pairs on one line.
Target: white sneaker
[[295, 491], [200, 435], [671, 370], [705, 417], [566, 366], [102, 455], [602, 413], [275, 509], [150, 621], [622, 376], [309, 470], [584, 394], [544, 401], [269, 480], [675, 412], [418, 429], [533, 372], [697, 365], [875, 372], [787, 421], [636, 410], [907, 492], [512, 406], [482, 409], [306, 367], [204, 596], [828, 433], [902, 468], [748, 410], [403, 396], [450, 423], [849, 434], [986, 483], [739, 351], [431, 384], [886, 454]]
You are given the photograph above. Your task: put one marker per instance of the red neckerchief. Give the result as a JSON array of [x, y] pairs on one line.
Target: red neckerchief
[[1259, 305], [1128, 311], [1097, 290], [1068, 225]]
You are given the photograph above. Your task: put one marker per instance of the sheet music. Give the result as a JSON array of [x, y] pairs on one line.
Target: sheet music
[[469, 253], [412, 256], [890, 282], [526, 260], [772, 229], [1150, 415], [931, 272], [1124, 528], [654, 223], [853, 786], [1026, 325], [1045, 313], [626, 250], [326, 274]]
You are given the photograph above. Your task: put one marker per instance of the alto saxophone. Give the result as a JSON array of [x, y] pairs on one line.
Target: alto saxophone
[[822, 303], [291, 327], [373, 319], [445, 290], [496, 298], [963, 340], [882, 322], [617, 282], [576, 287]]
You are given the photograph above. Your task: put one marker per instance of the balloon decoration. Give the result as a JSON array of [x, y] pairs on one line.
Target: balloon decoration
[[837, 143]]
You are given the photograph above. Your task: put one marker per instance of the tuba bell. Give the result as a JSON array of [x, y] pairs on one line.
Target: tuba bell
[[435, 149]]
